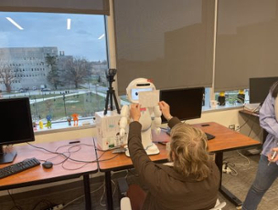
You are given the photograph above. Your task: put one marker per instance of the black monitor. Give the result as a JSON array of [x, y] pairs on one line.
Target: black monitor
[[259, 88], [185, 103], [15, 125]]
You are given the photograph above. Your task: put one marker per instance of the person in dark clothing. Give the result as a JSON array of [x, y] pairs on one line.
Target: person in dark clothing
[[192, 179]]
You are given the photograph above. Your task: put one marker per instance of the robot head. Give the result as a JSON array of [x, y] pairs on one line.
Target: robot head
[[136, 86]]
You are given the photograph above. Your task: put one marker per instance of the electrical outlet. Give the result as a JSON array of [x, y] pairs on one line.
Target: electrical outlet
[[58, 207], [226, 169], [232, 126], [237, 127]]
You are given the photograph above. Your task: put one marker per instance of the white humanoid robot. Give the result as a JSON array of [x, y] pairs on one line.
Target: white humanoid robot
[[149, 115]]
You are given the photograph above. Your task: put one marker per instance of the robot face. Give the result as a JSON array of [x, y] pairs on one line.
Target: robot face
[[135, 93], [136, 86]]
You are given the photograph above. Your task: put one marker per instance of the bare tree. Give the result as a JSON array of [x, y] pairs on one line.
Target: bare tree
[[54, 75], [77, 71], [7, 76]]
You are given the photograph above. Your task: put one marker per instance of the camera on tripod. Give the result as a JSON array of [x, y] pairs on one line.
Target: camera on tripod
[[110, 74]]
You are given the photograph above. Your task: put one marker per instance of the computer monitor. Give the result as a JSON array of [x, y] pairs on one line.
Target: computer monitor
[[15, 125], [185, 103], [259, 88]]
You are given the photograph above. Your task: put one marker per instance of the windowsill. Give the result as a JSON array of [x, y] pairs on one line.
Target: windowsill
[[89, 123], [63, 127], [221, 108]]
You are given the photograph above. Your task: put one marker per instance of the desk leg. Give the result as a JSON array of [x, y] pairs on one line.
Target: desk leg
[[109, 194], [87, 191], [222, 189]]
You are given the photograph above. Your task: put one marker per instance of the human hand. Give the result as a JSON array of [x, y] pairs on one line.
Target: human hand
[[272, 156], [165, 109], [135, 113]]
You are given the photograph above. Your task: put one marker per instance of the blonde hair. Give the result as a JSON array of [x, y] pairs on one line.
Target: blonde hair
[[189, 151]]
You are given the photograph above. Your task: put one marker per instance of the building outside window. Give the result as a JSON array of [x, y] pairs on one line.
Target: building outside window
[[57, 60]]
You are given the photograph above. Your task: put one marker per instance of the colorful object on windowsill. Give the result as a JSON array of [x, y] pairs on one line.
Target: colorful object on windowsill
[[241, 96], [69, 120], [221, 99], [41, 124], [48, 123], [75, 119]]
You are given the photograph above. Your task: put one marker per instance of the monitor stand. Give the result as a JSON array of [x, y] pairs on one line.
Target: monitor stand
[[7, 155]]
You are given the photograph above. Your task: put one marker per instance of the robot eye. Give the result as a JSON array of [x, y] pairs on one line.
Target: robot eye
[[136, 93]]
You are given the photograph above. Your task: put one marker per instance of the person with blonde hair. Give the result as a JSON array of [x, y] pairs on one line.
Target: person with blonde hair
[[190, 182]]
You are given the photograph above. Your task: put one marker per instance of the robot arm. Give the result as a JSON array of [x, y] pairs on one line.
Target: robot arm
[[157, 119], [124, 120]]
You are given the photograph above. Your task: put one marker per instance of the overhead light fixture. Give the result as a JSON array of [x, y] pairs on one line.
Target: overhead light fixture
[[101, 36], [68, 23], [14, 23]]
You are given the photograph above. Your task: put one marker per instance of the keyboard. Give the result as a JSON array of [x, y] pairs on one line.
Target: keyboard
[[18, 167], [209, 136]]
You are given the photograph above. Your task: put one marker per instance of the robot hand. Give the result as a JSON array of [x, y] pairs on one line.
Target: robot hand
[[157, 130], [122, 132], [157, 119], [123, 121]]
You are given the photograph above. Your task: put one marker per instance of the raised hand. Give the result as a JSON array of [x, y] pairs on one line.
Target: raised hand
[[165, 109], [135, 113]]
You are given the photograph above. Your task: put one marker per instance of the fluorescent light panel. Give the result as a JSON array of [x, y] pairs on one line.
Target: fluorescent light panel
[[14, 23], [68, 23]]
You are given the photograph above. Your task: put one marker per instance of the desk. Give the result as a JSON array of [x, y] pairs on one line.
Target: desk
[[39, 175], [225, 140]]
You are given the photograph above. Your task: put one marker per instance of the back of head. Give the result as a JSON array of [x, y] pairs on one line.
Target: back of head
[[189, 151]]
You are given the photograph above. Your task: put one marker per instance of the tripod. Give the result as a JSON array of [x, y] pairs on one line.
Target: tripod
[[110, 94]]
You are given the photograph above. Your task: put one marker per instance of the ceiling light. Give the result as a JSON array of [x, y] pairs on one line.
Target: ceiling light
[[101, 36], [68, 23], [14, 23]]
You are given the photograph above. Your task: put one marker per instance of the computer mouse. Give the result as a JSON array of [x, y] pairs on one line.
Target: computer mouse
[[47, 164]]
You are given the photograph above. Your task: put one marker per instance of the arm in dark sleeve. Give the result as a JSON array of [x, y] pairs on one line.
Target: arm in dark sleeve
[[172, 122], [146, 169]]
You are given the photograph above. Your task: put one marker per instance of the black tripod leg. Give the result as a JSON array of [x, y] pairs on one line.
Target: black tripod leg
[[106, 102], [111, 100], [116, 102]]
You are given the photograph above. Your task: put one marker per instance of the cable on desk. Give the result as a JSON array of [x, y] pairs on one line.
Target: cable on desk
[[61, 153], [67, 157], [108, 158]]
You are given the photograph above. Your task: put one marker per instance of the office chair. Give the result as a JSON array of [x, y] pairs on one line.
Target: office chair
[[126, 205]]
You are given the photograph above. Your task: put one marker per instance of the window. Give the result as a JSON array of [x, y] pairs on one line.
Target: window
[[73, 61], [233, 98]]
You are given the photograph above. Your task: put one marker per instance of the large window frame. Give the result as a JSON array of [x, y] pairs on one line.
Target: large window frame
[[42, 91]]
